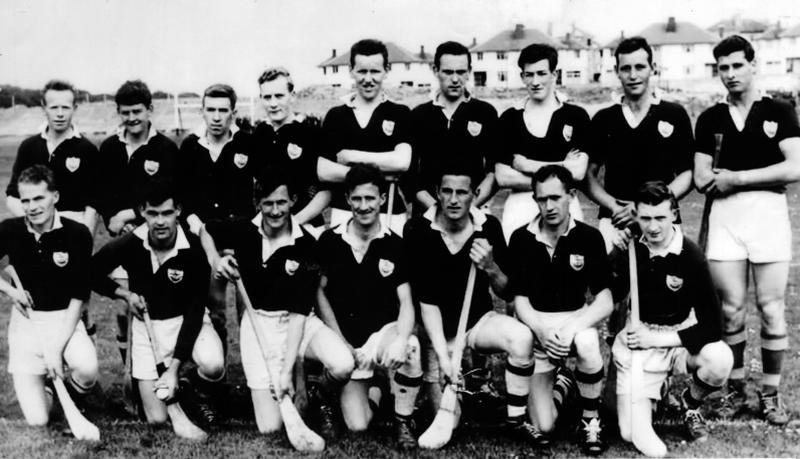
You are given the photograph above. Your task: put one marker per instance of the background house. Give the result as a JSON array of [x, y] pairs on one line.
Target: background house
[[406, 68]]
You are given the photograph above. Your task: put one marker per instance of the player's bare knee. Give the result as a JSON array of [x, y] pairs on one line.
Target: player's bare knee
[[357, 423], [212, 369], [341, 367], [519, 344], [587, 346], [773, 319]]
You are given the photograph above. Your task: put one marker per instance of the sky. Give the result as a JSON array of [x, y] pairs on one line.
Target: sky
[[186, 45]]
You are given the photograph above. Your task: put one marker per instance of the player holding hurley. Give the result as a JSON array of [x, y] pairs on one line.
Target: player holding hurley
[[748, 226], [168, 279]]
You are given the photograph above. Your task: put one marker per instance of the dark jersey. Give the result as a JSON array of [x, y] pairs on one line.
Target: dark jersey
[[756, 145], [363, 295], [670, 286], [75, 167], [222, 188], [389, 126], [569, 129], [287, 280], [467, 137], [439, 277], [558, 283], [659, 148], [54, 268], [176, 287]]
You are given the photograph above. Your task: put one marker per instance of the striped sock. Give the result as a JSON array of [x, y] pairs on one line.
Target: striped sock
[[737, 341], [329, 386], [590, 386], [561, 388], [405, 389], [518, 380], [773, 347], [698, 390]]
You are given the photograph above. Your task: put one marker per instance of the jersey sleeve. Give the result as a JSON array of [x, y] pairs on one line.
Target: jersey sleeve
[[489, 139], [598, 154], [706, 306], [599, 265], [685, 149], [517, 269], [105, 261], [6, 238], [21, 162], [505, 135], [421, 270], [193, 316], [331, 142], [223, 232], [403, 127], [81, 270], [704, 133], [787, 122], [582, 137]]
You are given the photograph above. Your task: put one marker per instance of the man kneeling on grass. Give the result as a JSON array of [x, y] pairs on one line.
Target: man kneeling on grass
[[168, 276], [51, 257], [365, 297], [276, 260], [681, 327]]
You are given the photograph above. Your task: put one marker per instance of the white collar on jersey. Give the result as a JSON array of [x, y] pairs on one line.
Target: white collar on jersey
[[534, 228], [200, 132], [736, 115], [56, 225], [476, 215], [656, 96], [181, 243], [267, 247], [75, 132], [293, 117], [150, 133], [675, 245], [297, 232], [350, 98], [436, 96], [561, 97], [341, 230]]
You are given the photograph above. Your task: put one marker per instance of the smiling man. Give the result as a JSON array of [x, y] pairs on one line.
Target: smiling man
[[749, 227], [369, 129], [60, 146], [556, 261], [640, 139], [539, 130], [681, 323], [454, 126]]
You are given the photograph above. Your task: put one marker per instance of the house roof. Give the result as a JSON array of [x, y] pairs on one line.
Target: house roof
[[577, 39], [516, 39], [738, 25], [670, 33], [397, 55]]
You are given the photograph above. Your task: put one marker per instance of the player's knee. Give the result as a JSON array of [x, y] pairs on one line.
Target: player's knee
[[519, 344], [772, 316], [357, 423], [587, 345], [734, 316], [156, 417], [717, 359], [341, 367]]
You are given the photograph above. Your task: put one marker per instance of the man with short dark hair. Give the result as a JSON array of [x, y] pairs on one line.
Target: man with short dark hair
[[453, 126], [749, 226], [168, 279], [680, 326], [555, 261], [444, 242], [365, 297], [60, 146], [369, 129], [641, 138], [539, 130], [51, 257]]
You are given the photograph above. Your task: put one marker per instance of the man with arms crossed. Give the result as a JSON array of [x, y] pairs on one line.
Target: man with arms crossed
[[444, 242], [680, 329], [555, 260], [365, 297], [748, 227], [276, 259], [168, 278], [51, 256], [640, 139], [538, 131], [369, 129], [454, 126]]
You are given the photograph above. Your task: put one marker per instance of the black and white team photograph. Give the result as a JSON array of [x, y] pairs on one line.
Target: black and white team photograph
[[399, 228]]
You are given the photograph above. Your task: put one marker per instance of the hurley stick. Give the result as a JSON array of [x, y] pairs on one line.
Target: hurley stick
[[300, 436], [702, 238], [441, 429], [637, 371], [390, 205]]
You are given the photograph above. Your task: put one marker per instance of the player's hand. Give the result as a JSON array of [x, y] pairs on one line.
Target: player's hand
[[620, 238], [623, 213], [284, 386], [22, 300], [227, 268], [639, 338], [396, 353], [54, 360], [116, 223], [137, 304], [555, 346], [447, 370], [168, 381], [574, 155], [481, 254], [344, 157], [518, 162], [195, 224], [725, 182]]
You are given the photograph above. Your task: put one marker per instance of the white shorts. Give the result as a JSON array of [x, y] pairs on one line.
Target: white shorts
[[432, 371], [542, 363], [339, 216], [370, 350], [750, 225], [520, 209], [25, 354], [143, 362], [275, 327]]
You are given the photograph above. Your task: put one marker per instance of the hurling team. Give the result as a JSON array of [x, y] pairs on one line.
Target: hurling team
[[364, 243]]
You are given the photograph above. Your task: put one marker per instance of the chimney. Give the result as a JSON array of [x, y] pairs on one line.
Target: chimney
[[721, 30], [588, 42], [422, 50], [333, 52], [567, 38], [519, 32], [474, 42], [671, 26], [621, 34]]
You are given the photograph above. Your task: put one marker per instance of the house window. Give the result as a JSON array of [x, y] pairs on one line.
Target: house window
[[573, 74], [324, 70], [408, 66], [578, 53], [501, 56], [502, 76], [388, 66], [335, 69], [689, 48], [687, 70], [479, 56], [601, 53], [480, 78]]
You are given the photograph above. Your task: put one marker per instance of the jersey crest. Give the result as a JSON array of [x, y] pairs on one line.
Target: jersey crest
[[674, 283], [175, 275], [291, 267], [151, 167], [665, 129], [474, 128], [294, 151], [388, 127], [385, 267], [576, 261], [73, 163], [770, 128], [240, 159], [61, 259], [567, 132]]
